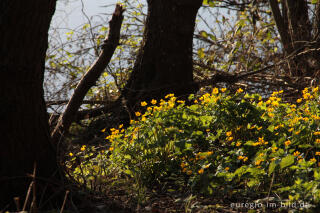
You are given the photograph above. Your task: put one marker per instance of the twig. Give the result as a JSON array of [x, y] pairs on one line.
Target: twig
[[64, 201]]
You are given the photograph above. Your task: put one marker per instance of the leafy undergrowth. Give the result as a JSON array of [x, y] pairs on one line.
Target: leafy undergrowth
[[225, 150]]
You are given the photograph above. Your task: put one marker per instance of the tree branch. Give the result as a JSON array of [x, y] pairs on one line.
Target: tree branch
[[92, 75]]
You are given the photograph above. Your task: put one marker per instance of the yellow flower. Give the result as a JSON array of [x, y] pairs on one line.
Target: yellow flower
[[274, 149], [287, 143], [238, 144], [215, 91], [169, 95], [313, 160], [298, 132], [296, 153], [223, 89], [83, 148], [207, 166], [120, 126], [153, 101], [258, 162], [228, 133], [138, 114], [317, 153], [227, 168], [200, 171], [299, 100], [207, 130], [316, 133], [240, 157], [144, 103], [189, 172], [239, 90], [230, 138], [111, 148], [317, 140], [245, 159], [103, 130], [273, 159], [70, 154]]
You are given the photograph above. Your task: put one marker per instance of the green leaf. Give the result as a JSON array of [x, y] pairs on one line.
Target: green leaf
[[272, 166], [287, 161]]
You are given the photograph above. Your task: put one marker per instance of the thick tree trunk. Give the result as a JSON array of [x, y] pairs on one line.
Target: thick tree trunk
[[25, 138], [164, 63]]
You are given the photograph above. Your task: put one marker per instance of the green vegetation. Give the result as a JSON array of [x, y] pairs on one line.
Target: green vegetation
[[236, 146]]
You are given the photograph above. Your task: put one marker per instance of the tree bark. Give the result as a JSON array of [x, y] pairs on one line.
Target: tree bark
[[164, 62], [25, 138]]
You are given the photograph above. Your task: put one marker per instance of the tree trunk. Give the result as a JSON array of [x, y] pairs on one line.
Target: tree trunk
[[295, 29], [164, 63], [25, 138]]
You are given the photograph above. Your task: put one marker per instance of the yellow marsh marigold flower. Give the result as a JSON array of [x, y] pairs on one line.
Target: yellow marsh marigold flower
[[83, 148], [103, 130], [287, 143], [70, 154], [228, 133], [239, 90], [245, 159], [138, 114], [111, 148], [317, 140], [230, 138], [227, 168], [209, 153], [200, 171], [316, 133], [317, 153], [299, 100], [313, 160], [274, 149], [169, 95], [120, 126], [143, 103], [215, 91], [273, 159], [153, 101], [296, 153], [223, 89], [189, 172], [238, 144], [240, 157]]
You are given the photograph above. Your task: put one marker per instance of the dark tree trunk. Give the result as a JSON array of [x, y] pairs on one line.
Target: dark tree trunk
[[164, 63], [24, 128], [295, 29]]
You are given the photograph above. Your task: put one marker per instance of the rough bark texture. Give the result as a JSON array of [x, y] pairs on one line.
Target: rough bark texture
[[89, 79], [295, 29], [24, 128], [164, 63]]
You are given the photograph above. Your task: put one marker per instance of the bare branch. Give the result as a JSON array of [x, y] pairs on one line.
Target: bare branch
[[92, 75]]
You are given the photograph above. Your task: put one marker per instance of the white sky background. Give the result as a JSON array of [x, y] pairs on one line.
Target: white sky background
[[69, 13]]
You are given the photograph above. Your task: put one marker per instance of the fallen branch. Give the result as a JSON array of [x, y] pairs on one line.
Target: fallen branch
[[92, 75]]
